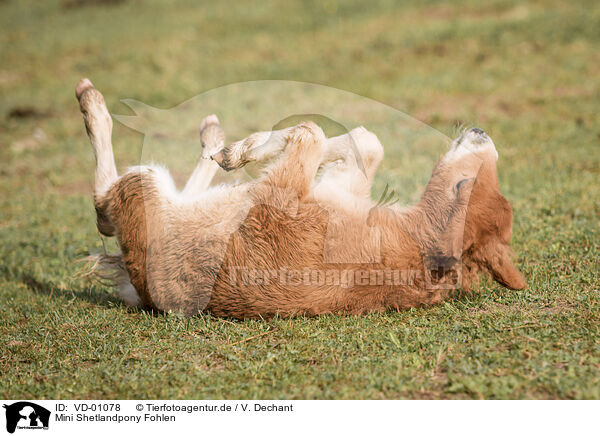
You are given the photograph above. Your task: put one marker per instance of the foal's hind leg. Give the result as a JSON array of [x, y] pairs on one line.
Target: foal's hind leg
[[298, 164], [349, 164], [98, 125]]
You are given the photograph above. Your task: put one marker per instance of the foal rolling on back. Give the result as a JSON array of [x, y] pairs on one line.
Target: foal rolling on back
[[298, 240]]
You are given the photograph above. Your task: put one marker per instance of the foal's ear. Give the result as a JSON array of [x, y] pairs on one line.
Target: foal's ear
[[499, 263]]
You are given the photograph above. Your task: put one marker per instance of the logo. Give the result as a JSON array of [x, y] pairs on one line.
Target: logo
[[26, 415]]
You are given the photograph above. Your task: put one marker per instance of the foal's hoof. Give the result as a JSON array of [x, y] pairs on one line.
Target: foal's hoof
[[219, 158], [211, 119], [211, 135], [82, 86]]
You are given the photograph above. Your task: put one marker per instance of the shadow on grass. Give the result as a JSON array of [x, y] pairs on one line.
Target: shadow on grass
[[93, 296], [89, 294], [102, 298]]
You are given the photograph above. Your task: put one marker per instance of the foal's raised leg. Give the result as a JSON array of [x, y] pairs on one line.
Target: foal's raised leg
[[98, 124], [298, 164], [257, 147], [213, 140], [349, 161]]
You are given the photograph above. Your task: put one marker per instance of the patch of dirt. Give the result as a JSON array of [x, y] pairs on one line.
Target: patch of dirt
[[492, 307], [69, 4], [31, 142], [28, 112], [8, 77], [560, 307], [82, 187], [572, 91], [447, 12], [16, 344], [451, 109]]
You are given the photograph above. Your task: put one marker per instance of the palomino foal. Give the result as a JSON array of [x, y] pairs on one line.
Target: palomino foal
[[305, 238]]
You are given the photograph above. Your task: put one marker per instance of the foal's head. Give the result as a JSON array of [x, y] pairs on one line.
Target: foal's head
[[468, 218]]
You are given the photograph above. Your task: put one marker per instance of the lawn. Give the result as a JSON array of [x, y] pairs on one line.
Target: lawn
[[526, 72]]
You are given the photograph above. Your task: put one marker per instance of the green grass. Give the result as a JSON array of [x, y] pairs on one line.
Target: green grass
[[526, 72]]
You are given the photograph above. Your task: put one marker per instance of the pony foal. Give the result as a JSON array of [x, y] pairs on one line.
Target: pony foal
[[305, 238]]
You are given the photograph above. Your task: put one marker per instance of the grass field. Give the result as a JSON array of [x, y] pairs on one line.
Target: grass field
[[526, 72]]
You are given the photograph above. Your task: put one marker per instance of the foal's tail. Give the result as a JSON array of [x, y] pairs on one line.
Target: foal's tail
[[109, 270]]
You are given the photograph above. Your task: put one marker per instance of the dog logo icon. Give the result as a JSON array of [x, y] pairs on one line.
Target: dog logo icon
[[26, 415]]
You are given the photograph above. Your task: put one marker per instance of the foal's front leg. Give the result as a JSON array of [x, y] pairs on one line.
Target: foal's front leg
[[257, 147], [213, 140], [350, 161]]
